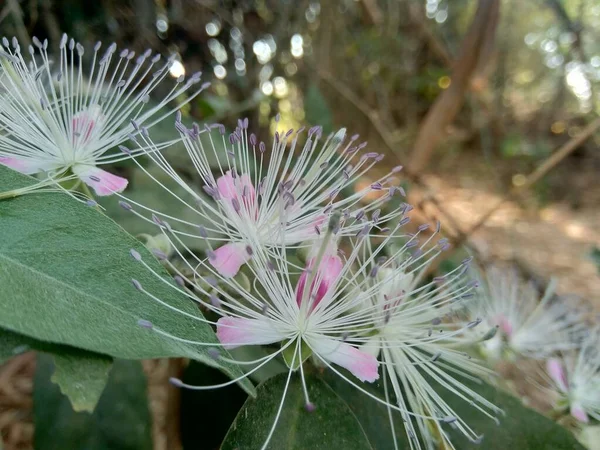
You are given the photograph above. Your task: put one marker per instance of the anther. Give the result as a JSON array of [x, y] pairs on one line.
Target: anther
[[159, 254], [212, 281], [334, 222], [145, 324], [213, 353], [215, 301], [490, 334], [176, 382]]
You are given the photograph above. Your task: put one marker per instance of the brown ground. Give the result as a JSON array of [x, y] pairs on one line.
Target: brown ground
[[550, 241]]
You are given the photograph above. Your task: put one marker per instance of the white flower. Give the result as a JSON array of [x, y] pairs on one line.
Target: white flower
[[524, 325], [417, 342], [342, 309], [261, 198], [304, 318], [357, 307], [61, 120], [576, 379]]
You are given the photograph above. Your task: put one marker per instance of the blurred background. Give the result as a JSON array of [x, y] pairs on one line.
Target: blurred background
[[490, 105]]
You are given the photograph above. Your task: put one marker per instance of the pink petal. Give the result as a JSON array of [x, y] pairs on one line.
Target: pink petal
[[239, 188], [579, 413], [234, 332], [361, 364], [20, 165], [504, 324], [228, 259], [306, 231], [102, 182], [557, 373], [319, 220], [84, 122], [328, 272], [226, 186]]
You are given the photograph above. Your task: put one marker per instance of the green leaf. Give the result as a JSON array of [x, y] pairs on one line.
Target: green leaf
[[372, 415], [331, 425], [81, 376], [121, 419], [317, 110], [522, 428], [66, 272]]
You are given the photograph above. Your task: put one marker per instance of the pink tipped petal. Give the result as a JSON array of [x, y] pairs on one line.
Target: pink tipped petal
[[579, 413], [319, 221], [504, 324], [557, 373], [226, 186], [84, 124], [246, 181], [230, 187], [102, 182], [228, 259], [362, 365], [330, 268], [20, 165], [234, 332], [239, 189]]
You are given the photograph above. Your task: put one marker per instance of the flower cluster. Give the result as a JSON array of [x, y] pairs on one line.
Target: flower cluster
[[516, 322], [292, 256], [576, 380], [61, 121], [519, 325], [361, 303]]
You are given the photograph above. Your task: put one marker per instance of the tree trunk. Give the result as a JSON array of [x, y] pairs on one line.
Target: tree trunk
[[475, 52]]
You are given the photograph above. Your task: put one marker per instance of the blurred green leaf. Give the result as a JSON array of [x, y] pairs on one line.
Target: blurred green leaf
[[317, 110], [256, 353], [511, 145], [214, 105], [146, 191], [121, 420], [81, 376], [68, 271], [12, 344]]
